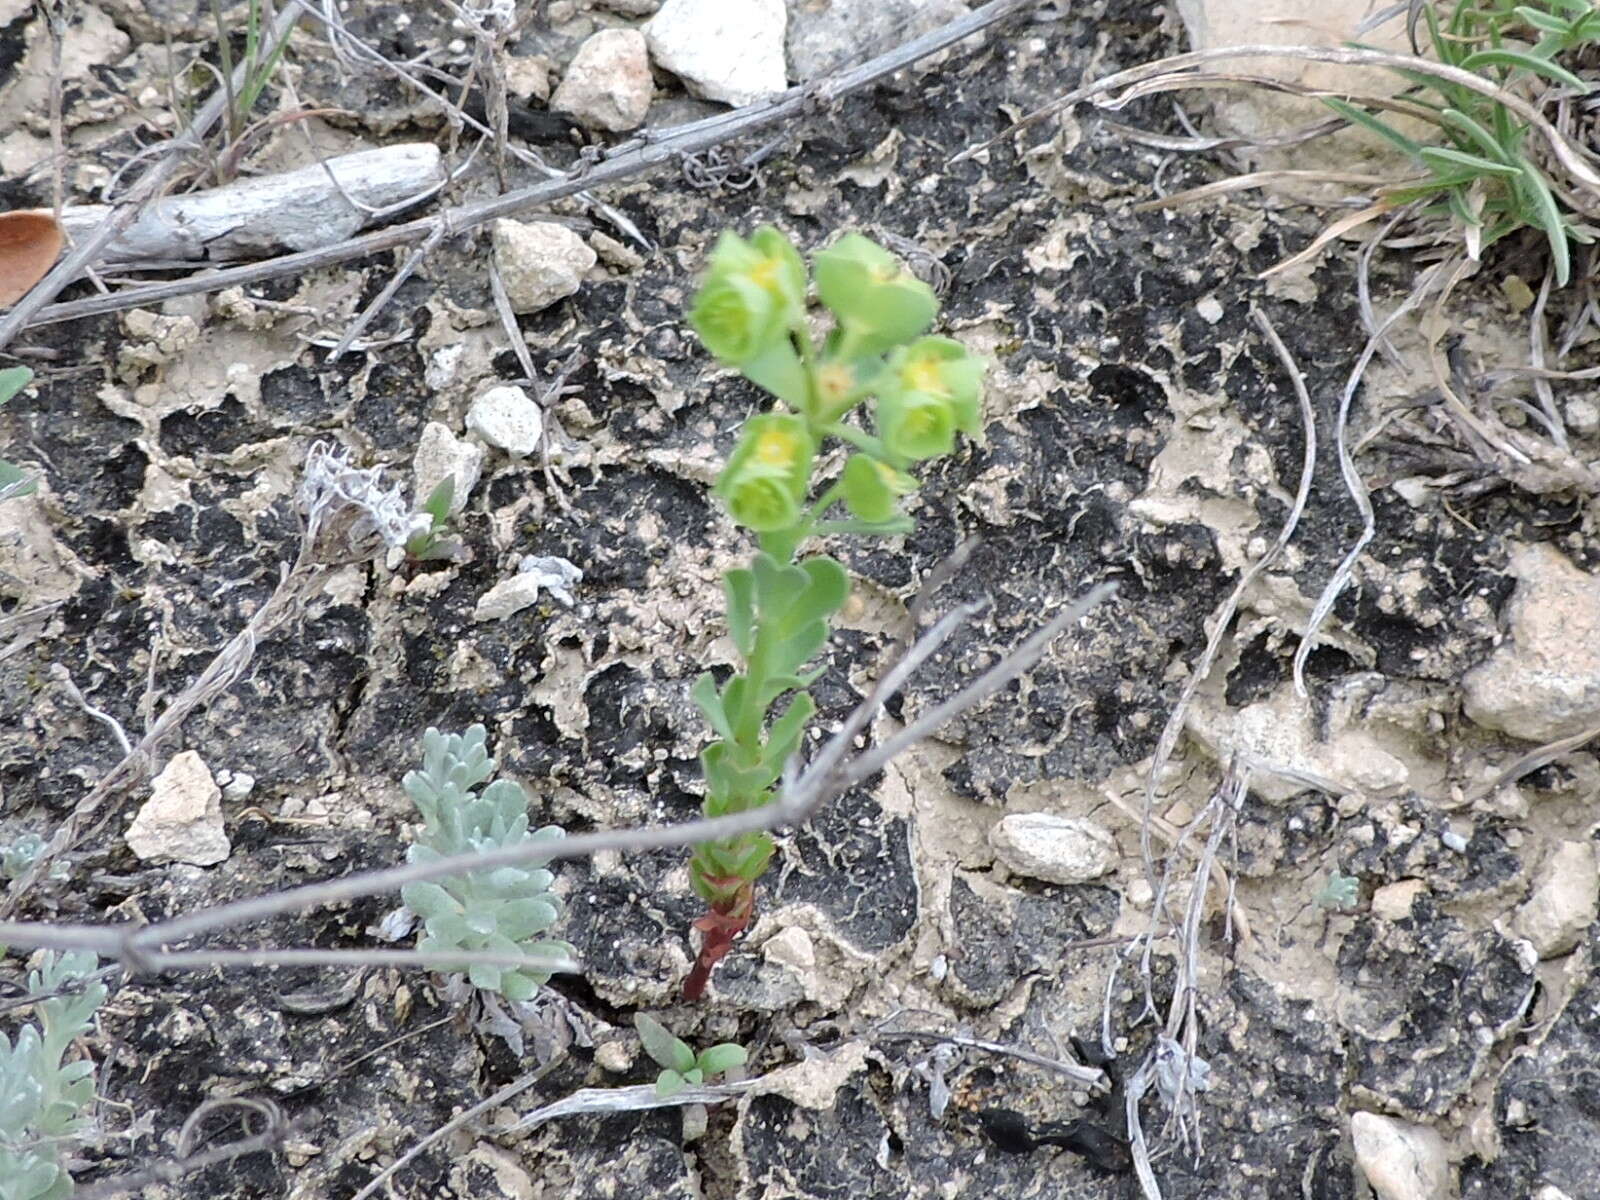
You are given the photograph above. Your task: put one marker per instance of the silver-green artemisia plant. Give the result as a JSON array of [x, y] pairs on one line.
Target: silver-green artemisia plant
[[43, 1100], [506, 910]]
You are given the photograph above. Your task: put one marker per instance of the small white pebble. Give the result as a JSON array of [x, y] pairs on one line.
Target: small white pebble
[[238, 786], [1583, 415]]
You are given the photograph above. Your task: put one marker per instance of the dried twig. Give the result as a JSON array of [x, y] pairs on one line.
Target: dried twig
[[515, 1088], [1526, 764], [87, 252], [273, 1135], [1170, 73], [832, 773], [1352, 478], [643, 153], [1092, 1077], [1222, 619]]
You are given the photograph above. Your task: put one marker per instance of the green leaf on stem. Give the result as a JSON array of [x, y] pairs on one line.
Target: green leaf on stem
[[669, 1083], [878, 302], [704, 693], [739, 587], [721, 1058], [872, 489], [672, 1053]]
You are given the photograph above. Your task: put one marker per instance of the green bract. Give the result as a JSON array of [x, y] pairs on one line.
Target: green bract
[[753, 294], [878, 302], [12, 481], [751, 312], [764, 483], [503, 910], [872, 489], [928, 393]]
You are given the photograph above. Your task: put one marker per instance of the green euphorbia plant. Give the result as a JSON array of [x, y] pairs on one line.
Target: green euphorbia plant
[[895, 396]]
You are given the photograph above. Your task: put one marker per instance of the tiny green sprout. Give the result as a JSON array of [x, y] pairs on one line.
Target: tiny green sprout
[[1340, 892], [12, 480], [18, 855], [680, 1066], [430, 543], [894, 397]]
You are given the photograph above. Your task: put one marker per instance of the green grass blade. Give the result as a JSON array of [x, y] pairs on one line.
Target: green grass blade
[[1518, 59], [1460, 209], [1433, 187], [1446, 49], [1442, 158], [1366, 120], [1548, 217], [1541, 20], [1484, 140]]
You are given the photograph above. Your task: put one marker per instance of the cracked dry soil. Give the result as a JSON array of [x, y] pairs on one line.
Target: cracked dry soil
[[1137, 429]]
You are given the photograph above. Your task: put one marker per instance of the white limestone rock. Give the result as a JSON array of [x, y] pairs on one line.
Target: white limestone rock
[[540, 262], [828, 35], [1543, 682], [441, 454], [536, 574], [1053, 849], [608, 84], [508, 419], [1401, 1161], [182, 820], [732, 52], [1564, 903]]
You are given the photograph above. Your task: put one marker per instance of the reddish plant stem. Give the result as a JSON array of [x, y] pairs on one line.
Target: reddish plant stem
[[721, 924]]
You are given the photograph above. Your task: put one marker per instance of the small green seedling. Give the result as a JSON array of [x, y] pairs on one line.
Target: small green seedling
[[894, 397], [432, 544], [507, 910], [17, 856], [681, 1067], [1340, 892], [12, 481], [45, 1100]]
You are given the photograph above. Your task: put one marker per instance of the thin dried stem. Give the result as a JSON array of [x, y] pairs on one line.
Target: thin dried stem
[[1171, 72], [1092, 1077], [803, 793], [1526, 764], [515, 1088], [1352, 478], [275, 1133], [1222, 619], [87, 252], [644, 153]]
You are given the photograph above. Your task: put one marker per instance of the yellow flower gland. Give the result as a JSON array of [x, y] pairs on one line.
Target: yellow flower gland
[[765, 274], [835, 382], [924, 375], [894, 480], [777, 448]]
